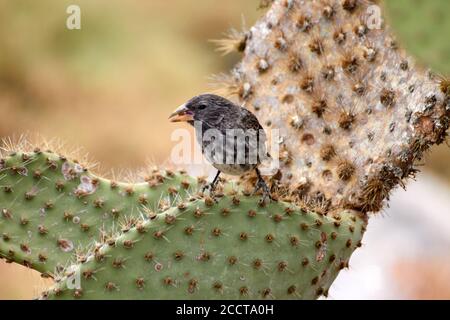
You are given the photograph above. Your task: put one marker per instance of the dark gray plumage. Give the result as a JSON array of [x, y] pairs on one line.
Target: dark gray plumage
[[232, 138]]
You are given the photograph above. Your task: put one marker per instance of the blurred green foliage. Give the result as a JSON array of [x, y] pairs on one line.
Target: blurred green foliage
[[423, 27]]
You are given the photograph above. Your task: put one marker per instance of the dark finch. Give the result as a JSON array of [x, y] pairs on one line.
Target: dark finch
[[231, 137]]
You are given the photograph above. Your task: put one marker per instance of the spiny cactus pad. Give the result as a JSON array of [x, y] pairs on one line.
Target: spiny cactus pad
[[232, 249], [58, 217], [354, 113], [52, 208]]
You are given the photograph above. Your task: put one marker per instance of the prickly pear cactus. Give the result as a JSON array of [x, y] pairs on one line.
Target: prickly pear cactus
[[59, 218], [233, 249], [354, 113], [53, 210]]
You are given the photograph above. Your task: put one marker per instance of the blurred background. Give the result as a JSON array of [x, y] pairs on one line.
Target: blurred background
[[110, 86]]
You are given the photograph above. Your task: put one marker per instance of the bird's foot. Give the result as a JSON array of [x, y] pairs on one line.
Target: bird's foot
[[210, 186], [206, 187], [210, 195], [261, 184]]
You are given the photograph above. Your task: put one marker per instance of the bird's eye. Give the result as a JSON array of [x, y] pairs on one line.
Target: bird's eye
[[201, 107]]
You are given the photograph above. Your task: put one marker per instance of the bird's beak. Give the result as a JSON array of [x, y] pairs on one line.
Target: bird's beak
[[181, 114]]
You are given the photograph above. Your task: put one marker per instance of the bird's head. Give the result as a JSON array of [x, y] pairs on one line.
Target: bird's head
[[199, 107]]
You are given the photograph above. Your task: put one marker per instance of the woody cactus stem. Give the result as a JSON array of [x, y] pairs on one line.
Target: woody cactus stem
[[354, 112], [233, 249], [53, 210]]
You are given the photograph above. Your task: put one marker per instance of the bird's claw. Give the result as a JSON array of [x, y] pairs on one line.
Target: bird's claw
[[261, 184], [206, 187], [210, 186]]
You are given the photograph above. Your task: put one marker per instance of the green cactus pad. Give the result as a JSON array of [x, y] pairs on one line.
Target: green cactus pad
[[232, 249], [52, 208]]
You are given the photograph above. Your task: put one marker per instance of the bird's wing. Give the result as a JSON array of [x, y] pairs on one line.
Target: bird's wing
[[236, 118], [251, 122]]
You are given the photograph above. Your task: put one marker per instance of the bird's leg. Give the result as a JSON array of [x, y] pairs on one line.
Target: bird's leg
[[262, 184], [213, 184]]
